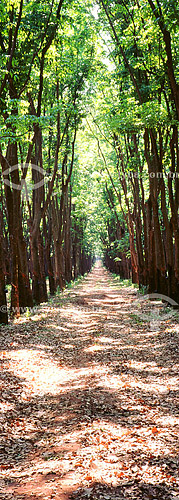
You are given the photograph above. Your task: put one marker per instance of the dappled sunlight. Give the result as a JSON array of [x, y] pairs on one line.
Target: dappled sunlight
[[68, 346], [173, 329], [93, 348], [100, 453], [6, 407], [116, 325], [53, 327], [109, 340], [93, 401], [39, 315], [148, 367], [154, 385], [42, 375]]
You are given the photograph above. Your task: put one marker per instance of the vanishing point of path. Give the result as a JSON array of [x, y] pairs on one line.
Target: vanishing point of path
[[89, 399]]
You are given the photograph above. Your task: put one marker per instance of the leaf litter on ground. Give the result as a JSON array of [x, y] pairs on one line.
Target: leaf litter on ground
[[89, 399]]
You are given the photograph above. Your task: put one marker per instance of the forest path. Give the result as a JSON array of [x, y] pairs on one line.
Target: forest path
[[89, 399]]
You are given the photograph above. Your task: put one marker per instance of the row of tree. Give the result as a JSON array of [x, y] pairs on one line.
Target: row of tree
[[89, 113], [136, 127], [46, 55]]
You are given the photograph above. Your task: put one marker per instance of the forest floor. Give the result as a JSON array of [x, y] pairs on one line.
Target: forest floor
[[89, 398]]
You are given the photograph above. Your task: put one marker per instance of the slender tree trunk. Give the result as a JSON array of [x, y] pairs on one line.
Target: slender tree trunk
[[41, 253], [13, 207], [38, 279], [3, 302], [152, 270], [49, 259], [67, 239], [25, 293]]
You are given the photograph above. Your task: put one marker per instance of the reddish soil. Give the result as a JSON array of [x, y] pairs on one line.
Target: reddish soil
[[89, 399]]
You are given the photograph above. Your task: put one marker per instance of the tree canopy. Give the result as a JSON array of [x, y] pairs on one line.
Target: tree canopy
[[89, 110]]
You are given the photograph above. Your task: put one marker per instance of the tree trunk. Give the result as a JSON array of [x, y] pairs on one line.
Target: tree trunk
[[38, 286], [67, 239], [3, 303]]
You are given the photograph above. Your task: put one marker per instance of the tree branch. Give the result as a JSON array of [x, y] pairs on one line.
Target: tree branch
[[13, 48]]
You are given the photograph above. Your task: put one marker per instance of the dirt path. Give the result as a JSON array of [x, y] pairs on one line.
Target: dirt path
[[89, 399]]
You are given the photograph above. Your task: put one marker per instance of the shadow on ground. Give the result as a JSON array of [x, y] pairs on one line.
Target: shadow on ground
[[82, 375]]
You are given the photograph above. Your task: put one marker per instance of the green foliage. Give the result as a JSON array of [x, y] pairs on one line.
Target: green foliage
[[113, 86]]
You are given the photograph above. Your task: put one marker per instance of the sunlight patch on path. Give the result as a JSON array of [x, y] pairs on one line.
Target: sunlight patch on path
[[98, 399], [42, 375]]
